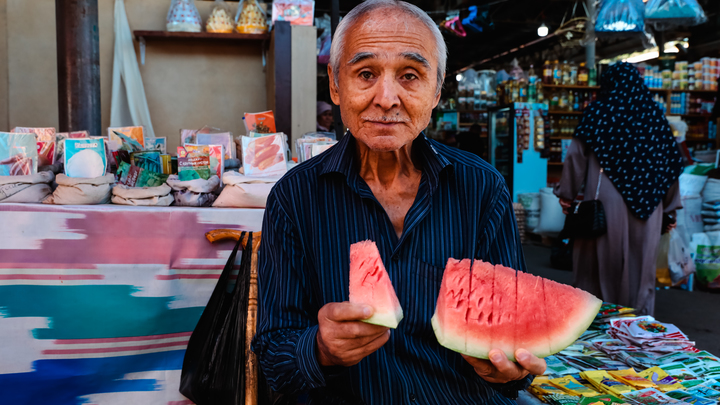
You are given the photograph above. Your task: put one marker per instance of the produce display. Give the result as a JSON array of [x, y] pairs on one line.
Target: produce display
[[371, 285], [494, 307]]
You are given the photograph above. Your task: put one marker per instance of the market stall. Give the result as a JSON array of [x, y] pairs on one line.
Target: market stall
[[99, 302]]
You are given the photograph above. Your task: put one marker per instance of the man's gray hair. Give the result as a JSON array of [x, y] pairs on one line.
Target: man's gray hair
[[338, 42]]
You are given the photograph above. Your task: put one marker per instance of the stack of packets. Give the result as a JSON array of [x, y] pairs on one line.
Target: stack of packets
[[200, 161], [139, 166], [602, 369], [264, 150], [313, 144]]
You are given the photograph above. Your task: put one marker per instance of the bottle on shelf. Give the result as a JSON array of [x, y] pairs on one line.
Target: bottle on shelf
[[540, 93], [515, 91], [573, 74], [582, 75], [592, 76], [522, 91], [532, 85], [547, 73], [557, 73], [563, 102], [576, 102], [565, 73], [571, 101]]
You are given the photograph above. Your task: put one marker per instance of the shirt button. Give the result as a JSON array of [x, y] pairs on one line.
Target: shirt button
[[412, 397]]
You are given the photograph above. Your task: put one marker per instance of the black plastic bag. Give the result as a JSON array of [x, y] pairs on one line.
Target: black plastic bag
[[213, 370]]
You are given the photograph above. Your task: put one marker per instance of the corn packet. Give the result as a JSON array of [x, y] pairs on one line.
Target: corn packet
[[632, 378], [663, 380], [602, 400], [573, 387], [542, 384], [603, 381]]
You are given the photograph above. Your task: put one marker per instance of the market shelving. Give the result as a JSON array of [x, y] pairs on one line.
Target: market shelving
[[166, 35], [568, 87]]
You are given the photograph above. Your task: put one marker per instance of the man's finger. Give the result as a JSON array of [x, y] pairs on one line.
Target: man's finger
[[356, 330], [506, 367], [347, 311], [529, 362], [482, 367]]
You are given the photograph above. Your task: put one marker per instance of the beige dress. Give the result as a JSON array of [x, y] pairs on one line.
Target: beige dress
[[618, 267]]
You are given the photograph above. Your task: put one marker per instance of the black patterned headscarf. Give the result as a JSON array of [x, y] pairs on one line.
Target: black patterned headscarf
[[632, 140]]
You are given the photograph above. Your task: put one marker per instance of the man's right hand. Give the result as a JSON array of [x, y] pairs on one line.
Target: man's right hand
[[342, 339]]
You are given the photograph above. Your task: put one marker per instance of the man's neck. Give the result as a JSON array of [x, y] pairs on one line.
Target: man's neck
[[386, 168]]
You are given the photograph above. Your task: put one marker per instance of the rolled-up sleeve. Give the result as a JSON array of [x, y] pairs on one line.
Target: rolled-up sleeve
[[285, 341]]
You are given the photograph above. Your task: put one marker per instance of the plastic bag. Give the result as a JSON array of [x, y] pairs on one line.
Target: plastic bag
[[213, 369], [706, 247], [324, 40], [220, 20], [680, 263], [18, 154], [667, 14], [183, 16], [620, 18], [297, 12], [251, 18]]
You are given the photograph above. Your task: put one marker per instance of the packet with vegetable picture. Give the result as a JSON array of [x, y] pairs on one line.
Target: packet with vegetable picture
[[45, 138], [193, 165], [215, 152], [632, 378], [85, 158], [156, 144], [264, 156], [18, 154], [147, 160], [262, 122], [573, 387], [134, 133], [661, 379]]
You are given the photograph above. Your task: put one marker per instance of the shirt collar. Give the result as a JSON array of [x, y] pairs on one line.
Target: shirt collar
[[342, 159]]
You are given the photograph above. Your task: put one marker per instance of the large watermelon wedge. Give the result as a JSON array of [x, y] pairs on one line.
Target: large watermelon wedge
[[508, 310], [371, 285]]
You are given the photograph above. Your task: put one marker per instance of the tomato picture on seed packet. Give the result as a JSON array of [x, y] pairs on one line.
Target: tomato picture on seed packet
[[262, 122]]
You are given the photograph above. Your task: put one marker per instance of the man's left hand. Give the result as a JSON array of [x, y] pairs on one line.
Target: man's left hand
[[501, 370]]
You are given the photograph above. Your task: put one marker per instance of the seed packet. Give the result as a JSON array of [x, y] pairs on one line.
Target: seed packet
[[673, 357], [18, 154], [648, 396], [222, 138], [85, 158], [216, 153], [149, 178], [608, 309], [60, 138], [603, 381], [632, 378], [264, 156], [147, 160], [156, 144], [573, 387], [705, 392], [690, 398], [679, 371], [134, 133], [45, 138], [193, 166], [663, 380], [711, 383], [602, 400], [561, 399], [120, 141], [133, 176], [692, 383], [556, 366], [262, 122]]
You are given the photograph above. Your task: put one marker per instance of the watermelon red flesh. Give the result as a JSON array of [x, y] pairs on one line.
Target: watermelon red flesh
[[569, 313], [509, 311], [480, 310], [532, 331], [452, 305], [503, 325], [371, 285]]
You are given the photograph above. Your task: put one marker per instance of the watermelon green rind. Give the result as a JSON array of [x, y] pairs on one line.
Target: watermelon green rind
[[455, 344], [561, 342], [387, 319]]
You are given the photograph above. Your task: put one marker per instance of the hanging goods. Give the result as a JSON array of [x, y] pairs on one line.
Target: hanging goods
[[620, 18], [664, 15]]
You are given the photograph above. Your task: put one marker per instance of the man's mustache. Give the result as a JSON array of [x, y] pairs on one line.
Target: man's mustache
[[386, 119]]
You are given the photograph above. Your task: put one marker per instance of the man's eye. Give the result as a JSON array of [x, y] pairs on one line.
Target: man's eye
[[409, 76], [366, 75]]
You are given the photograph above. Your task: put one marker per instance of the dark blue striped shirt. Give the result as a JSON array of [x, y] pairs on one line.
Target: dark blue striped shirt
[[316, 212]]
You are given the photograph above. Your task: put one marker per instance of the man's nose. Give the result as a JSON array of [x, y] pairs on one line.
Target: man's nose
[[386, 96]]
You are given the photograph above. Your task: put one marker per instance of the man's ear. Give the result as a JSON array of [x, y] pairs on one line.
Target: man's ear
[[439, 93], [334, 93]]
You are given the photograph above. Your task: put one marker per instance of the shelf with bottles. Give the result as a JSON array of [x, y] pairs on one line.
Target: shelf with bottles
[[700, 76], [570, 87], [558, 112], [568, 75]]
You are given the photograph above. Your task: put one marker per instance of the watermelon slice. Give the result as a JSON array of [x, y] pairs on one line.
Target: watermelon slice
[[371, 285], [509, 310], [452, 304]]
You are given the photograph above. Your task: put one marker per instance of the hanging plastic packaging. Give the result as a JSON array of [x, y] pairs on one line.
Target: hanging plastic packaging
[[667, 14], [297, 12], [250, 18], [183, 16], [620, 18], [324, 40], [220, 20]]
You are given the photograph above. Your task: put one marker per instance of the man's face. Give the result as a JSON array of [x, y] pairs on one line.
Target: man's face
[[387, 79]]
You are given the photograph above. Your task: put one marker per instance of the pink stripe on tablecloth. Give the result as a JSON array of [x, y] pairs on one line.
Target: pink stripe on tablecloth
[[121, 339], [166, 277], [114, 349], [67, 277], [183, 402], [53, 266]]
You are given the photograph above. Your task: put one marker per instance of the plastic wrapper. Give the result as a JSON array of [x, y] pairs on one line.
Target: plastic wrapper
[[297, 12], [85, 158], [193, 166], [218, 138], [220, 20], [324, 40], [183, 16], [18, 154], [664, 15], [45, 138], [216, 154], [620, 18], [60, 138], [251, 18], [265, 156], [305, 147]]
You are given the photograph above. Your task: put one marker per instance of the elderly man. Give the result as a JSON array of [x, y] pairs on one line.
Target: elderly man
[[420, 201]]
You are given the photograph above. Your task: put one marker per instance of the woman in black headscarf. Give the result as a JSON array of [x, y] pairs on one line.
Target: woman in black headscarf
[[626, 135]]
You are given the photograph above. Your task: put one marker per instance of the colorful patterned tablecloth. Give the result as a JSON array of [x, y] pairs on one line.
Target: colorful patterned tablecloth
[[97, 303]]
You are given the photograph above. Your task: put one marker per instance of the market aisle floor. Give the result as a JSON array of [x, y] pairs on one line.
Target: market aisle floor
[[696, 313]]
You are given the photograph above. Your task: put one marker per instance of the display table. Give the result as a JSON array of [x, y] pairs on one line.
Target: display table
[[97, 303]]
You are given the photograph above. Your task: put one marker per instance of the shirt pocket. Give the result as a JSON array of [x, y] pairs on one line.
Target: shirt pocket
[[424, 282]]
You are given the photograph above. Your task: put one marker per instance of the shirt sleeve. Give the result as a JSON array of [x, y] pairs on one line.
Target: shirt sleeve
[[285, 341]]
